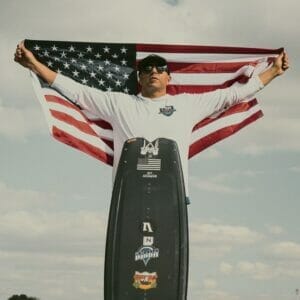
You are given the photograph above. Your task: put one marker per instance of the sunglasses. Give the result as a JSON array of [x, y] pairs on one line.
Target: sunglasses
[[160, 69]]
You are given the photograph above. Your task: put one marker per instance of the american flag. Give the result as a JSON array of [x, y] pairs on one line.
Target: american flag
[[112, 67], [149, 164]]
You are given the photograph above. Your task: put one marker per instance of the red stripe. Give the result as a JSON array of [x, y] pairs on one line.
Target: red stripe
[[203, 49], [109, 143], [81, 125], [221, 134], [62, 101], [55, 99], [74, 142], [174, 89], [240, 107], [103, 124]]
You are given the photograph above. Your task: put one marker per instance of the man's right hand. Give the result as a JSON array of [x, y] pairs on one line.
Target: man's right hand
[[25, 57]]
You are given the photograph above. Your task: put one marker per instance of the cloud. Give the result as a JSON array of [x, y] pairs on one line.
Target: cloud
[[256, 270], [285, 250], [216, 295], [211, 186], [221, 183], [224, 234], [210, 240], [295, 169], [275, 229], [18, 124], [58, 254], [24, 199], [208, 252], [226, 268], [47, 232], [209, 283], [210, 153], [259, 270]]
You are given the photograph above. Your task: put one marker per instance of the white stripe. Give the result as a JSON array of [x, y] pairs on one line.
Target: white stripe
[[210, 78], [41, 99], [205, 57], [67, 110], [87, 138], [218, 124], [52, 92], [104, 133]]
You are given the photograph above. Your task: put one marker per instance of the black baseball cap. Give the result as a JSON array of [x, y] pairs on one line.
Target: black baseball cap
[[153, 60]]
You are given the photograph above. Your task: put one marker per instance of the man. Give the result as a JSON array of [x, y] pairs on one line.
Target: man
[[153, 113]]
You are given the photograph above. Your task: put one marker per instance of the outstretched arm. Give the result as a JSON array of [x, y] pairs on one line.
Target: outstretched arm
[[97, 102], [280, 65], [25, 58]]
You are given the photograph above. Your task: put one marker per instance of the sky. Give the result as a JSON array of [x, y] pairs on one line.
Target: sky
[[54, 201]]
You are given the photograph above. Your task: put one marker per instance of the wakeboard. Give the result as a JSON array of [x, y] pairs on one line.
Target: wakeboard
[[147, 236]]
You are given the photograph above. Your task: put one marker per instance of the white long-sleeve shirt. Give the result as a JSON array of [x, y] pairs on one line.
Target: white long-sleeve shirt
[[138, 116]]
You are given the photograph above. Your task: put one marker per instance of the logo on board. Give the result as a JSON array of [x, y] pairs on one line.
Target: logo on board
[[145, 253], [145, 280]]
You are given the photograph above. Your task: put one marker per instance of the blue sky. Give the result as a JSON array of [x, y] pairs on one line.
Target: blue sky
[[54, 201]]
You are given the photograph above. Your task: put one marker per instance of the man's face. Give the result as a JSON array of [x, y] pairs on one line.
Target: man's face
[[154, 78]]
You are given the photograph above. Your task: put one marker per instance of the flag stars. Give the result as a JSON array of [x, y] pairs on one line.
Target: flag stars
[[73, 60], [117, 69], [109, 75], [66, 65], [63, 55], [90, 62], [123, 62], [83, 67], [58, 71], [46, 53], [118, 83], [123, 50], [84, 81], [71, 49], [80, 55], [100, 68], [101, 82], [75, 73], [93, 74], [54, 48], [56, 58], [115, 56], [126, 90], [107, 62], [37, 47], [106, 49], [98, 55], [109, 89], [125, 76], [89, 49], [49, 63]]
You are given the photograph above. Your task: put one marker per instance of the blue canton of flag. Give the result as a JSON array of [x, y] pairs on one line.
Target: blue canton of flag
[[108, 67]]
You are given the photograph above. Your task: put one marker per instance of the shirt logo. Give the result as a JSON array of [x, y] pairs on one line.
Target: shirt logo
[[168, 110]]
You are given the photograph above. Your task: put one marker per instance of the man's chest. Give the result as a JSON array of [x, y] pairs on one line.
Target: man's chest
[[160, 119]]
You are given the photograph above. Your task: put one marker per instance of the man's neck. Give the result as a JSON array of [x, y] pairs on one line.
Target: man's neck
[[153, 94]]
